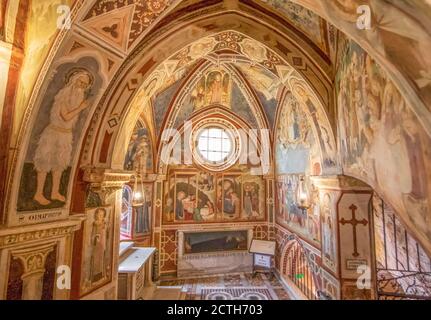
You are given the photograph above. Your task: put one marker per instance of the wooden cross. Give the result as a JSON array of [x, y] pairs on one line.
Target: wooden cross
[[354, 223]]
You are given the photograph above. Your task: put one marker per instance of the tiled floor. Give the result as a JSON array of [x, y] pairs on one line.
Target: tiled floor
[[234, 286]]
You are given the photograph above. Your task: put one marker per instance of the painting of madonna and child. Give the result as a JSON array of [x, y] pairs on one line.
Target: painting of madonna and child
[[205, 197], [215, 241]]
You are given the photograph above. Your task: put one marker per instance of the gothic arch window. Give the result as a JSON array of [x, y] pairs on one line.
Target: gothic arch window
[[126, 213]]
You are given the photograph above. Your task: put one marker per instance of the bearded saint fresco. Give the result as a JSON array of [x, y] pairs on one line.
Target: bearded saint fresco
[[56, 133], [54, 149]]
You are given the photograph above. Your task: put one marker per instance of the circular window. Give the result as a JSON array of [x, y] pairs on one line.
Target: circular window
[[215, 145]]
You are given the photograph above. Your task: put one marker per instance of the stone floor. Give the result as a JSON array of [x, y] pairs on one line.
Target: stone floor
[[241, 286]]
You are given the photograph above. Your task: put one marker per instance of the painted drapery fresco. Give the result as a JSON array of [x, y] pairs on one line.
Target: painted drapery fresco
[[201, 197], [380, 139], [207, 242], [55, 135]]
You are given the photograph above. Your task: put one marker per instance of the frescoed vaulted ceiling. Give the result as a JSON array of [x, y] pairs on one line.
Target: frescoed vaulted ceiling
[[242, 84], [252, 80], [123, 22], [96, 95], [164, 60], [119, 25], [306, 21]]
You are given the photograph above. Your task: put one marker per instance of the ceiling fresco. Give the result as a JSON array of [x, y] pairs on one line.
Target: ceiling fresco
[[122, 22], [222, 53], [305, 20], [256, 68], [282, 117]]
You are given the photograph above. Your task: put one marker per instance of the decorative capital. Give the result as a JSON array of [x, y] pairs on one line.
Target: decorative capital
[[105, 181], [33, 259], [150, 177], [161, 177], [11, 237]]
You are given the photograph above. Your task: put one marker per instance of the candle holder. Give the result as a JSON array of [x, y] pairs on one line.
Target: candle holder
[[138, 188], [302, 196]]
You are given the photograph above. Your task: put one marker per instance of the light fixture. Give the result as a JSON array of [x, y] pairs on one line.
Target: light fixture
[[138, 187], [302, 196], [138, 192]]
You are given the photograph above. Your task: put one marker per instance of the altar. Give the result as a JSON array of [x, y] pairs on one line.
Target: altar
[[135, 272], [214, 252]]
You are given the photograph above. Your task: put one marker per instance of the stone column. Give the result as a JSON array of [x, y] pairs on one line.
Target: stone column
[[108, 185], [33, 260], [157, 223], [12, 54], [105, 182], [270, 205]]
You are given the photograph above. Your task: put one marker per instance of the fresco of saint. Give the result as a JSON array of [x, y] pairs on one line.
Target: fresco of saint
[[328, 232], [98, 245], [54, 148]]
